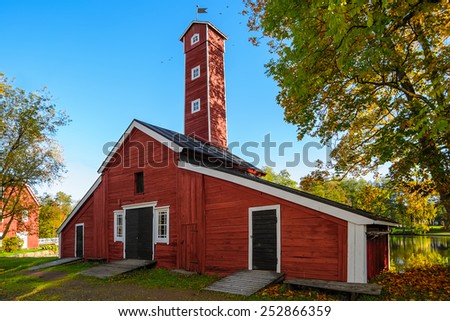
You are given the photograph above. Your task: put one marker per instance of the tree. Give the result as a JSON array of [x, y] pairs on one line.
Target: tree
[[282, 178], [54, 210], [372, 74], [29, 154]]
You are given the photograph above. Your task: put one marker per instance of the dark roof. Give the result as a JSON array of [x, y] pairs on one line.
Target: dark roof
[[308, 195], [209, 153]]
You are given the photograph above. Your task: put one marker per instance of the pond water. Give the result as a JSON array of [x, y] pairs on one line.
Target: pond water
[[411, 251]]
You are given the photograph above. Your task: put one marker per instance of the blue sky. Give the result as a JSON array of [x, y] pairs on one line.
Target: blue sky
[[108, 62]]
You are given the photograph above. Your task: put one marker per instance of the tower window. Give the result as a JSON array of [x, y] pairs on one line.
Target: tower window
[[195, 72], [195, 38], [139, 182], [195, 105]]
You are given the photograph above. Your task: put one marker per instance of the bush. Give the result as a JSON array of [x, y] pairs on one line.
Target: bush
[[50, 247], [12, 244]]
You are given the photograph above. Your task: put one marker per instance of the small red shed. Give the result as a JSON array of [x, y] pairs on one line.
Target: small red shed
[[185, 201], [26, 225]]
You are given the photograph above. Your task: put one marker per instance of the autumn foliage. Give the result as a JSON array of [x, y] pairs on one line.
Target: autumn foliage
[[422, 284], [418, 284]]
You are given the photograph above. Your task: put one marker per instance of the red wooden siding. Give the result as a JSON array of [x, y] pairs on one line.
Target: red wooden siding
[[139, 153], [196, 55], [86, 217], [191, 217], [222, 246], [377, 252], [27, 200], [208, 125], [217, 89]]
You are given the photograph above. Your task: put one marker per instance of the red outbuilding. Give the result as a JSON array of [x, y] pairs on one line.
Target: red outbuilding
[[24, 225], [186, 202]]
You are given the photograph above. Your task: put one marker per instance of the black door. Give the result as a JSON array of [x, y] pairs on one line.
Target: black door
[[138, 234], [79, 237], [264, 240]]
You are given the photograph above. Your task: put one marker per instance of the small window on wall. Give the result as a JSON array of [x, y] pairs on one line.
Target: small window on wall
[[162, 225], [25, 216], [118, 226], [195, 72], [195, 106], [139, 182], [195, 38]]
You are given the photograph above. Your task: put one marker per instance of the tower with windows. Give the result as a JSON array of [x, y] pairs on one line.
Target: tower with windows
[[205, 103]]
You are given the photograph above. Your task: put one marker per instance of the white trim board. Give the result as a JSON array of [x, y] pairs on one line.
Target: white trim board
[[277, 208], [285, 195], [356, 253], [80, 204], [135, 124]]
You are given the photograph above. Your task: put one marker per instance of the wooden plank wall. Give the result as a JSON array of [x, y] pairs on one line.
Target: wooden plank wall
[[313, 244], [141, 153], [190, 208], [217, 89], [377, 255], [86, 216]]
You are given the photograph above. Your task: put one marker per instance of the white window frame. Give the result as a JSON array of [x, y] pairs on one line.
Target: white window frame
[[116, 216], [25, 216], [195, 38], [158, 211], [193, 104], [195, 72]]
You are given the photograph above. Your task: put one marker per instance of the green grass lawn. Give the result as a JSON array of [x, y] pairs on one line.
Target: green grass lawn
[[6, 254]]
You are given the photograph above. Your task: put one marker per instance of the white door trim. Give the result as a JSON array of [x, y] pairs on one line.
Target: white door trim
[[277, 208], [132, 207]]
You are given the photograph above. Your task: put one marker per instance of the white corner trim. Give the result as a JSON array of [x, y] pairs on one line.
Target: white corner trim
[[80, 204], [208, 103], [356, 253], [280, 193], [135, 124], [277, 208]]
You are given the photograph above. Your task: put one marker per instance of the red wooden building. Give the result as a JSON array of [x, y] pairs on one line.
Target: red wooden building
[[26, 225], [186, 202]]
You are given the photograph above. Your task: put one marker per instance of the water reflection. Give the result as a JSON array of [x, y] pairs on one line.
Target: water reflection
[[414, 251]]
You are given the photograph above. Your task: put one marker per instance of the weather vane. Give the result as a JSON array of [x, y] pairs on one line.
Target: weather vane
[[200, 10]]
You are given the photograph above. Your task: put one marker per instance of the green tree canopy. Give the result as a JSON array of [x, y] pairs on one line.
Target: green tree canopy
[[282, 178], [54, 210], [374, 75], [29, 154]]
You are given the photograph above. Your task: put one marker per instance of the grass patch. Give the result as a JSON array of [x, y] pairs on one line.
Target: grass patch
[[10, 254], [10, 264], [162, 278]]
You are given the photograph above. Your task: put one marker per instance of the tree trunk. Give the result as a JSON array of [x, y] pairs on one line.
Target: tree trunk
[[445, 201]]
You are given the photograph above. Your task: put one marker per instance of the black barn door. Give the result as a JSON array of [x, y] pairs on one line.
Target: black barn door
[[264, 240], [139, 233], [79, 240]]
